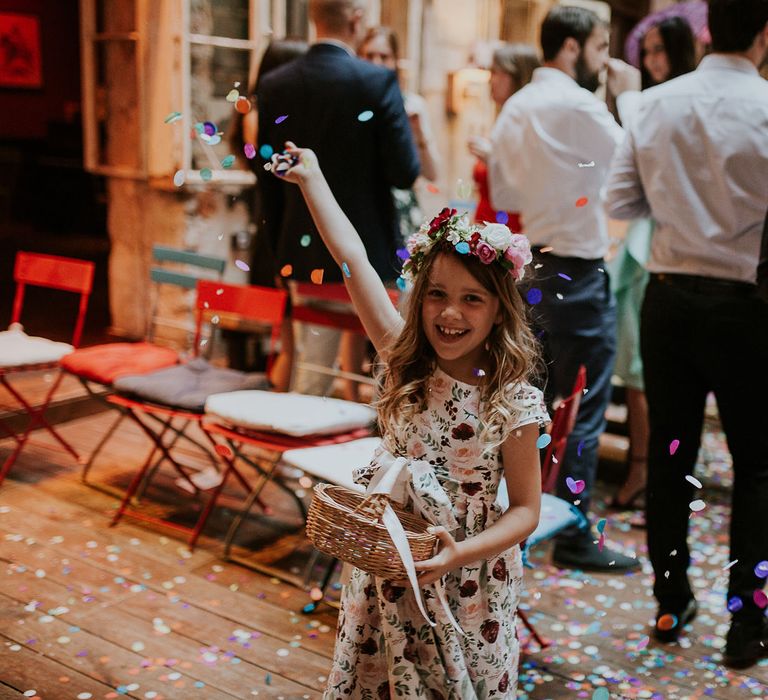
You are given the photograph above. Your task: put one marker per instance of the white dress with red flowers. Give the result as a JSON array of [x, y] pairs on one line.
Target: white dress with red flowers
[[384, 647]]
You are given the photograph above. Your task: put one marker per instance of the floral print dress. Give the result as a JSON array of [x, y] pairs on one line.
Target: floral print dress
[[384, 647]]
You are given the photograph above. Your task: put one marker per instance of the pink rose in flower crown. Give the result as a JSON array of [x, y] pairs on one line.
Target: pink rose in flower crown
[[519, 255], [485, 252]]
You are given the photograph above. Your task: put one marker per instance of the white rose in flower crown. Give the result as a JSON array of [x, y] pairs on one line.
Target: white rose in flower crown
[[417, 241], [497, 236]]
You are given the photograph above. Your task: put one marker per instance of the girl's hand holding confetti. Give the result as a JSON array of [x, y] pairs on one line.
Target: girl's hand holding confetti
[[293, 164]]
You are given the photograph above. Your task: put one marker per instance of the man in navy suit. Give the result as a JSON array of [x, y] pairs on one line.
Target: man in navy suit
[[350, 112]]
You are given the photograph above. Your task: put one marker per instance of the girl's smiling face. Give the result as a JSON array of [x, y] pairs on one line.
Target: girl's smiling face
[[457, 314]]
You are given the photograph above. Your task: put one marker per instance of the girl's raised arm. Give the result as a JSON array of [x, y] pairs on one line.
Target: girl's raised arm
[[380, 319]]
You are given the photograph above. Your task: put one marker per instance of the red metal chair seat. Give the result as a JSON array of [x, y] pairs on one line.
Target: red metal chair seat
[[103, 364]]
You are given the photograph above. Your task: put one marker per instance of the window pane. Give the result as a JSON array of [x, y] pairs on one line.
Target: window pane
[[215, 71], [227, 18]]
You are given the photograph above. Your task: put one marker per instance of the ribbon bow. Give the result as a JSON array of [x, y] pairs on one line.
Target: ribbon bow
[[398, 477]]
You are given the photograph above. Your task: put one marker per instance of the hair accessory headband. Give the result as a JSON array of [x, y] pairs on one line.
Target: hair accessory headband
[[490, 242]]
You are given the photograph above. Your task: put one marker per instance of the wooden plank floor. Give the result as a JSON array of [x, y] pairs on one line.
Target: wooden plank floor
[[92, 611]]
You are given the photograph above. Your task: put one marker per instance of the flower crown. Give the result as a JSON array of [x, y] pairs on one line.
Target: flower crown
[[489, 242]]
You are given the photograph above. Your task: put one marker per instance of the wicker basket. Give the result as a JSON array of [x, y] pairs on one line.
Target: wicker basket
[[347, 525]]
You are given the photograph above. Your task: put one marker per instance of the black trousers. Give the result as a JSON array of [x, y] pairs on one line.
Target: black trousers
[[699, 336], [577, 315]]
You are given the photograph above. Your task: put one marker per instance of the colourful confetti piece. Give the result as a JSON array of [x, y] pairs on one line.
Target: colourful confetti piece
[[244, 266], [666, 622], [433, 188], [209, 128], [591, 164], [735, 604], [673, 446], [232, 95], [761, 570], [478, 372], [601, 694], [316, 594], [533, 295], [250, 151], [286, 270], [305, 240], [206, 174], [172, 117], [243, 105], [564, 276], [693, 480], [403, 253], [601, 525], [317, 275], [179, 177], [642, 643], [281, 119], [462, 247], [697, 505], [502, 217], [365, 116], [401, 284], [575, 486], [463, 189], [543, 440], [345, 270], [266, 151], [761, 600], [579, 448], [582, 202], [227, 161]]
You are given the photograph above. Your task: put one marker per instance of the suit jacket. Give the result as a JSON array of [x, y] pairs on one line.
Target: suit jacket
[[320, 96]]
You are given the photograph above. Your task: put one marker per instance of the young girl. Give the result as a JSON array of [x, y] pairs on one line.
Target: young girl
[[456, 402]]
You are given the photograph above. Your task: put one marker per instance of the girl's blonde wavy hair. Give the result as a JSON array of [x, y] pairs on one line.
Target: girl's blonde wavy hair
[[513, 350]]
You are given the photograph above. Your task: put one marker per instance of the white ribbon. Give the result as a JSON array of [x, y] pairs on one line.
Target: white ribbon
[[392, 478]]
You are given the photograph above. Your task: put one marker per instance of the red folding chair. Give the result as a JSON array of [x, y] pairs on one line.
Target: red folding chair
[[556, 514], [22, 353], [98, 366], [155, 418], [562, 424]]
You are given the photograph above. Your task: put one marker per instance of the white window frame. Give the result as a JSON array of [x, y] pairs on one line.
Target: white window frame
[[258, 32]]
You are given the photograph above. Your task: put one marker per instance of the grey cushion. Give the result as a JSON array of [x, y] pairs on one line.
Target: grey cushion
[[187, 386]]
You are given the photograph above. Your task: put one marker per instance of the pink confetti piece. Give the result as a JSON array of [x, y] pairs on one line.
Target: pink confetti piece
[[673, 446], [575, 486]]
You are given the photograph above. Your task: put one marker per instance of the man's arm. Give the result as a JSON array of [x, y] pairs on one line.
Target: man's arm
[[397, 152], [624, 193]]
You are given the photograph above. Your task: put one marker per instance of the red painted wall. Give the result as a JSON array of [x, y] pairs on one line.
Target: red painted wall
[[24, 114]]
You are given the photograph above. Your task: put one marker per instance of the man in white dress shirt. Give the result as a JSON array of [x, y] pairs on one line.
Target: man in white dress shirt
[[696, 160], [551, 148]]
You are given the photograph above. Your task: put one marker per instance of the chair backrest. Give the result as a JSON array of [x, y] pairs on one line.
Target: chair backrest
[[188, 268], [54, 272], [260, 304], [562, 425]]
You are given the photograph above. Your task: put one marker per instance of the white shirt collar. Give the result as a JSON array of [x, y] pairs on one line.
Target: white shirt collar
[[547, 74], [727, 61], [339, 43]]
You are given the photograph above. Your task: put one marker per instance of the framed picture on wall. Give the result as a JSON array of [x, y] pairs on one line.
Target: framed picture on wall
[[20, 55]]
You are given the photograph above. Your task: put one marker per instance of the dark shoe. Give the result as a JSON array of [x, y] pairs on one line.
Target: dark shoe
[[746, 642], [670, 623], [581, 552]]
